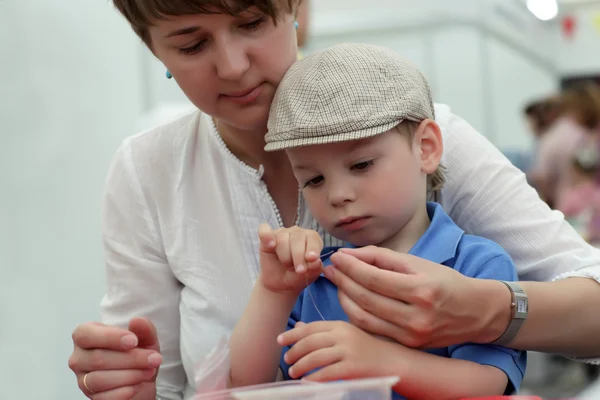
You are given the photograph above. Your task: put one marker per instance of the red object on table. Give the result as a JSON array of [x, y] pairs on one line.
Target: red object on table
[[516, 397]]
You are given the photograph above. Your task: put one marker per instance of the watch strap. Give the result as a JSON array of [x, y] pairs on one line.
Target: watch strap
[[519, 306]]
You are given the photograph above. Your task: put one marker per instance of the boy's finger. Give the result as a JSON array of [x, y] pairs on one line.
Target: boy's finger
[[267, 237], [283, 250], [314, 246], [315, 266], [298, 249]]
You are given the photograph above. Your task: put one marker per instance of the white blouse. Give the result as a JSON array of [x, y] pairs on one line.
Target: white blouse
[[181, 216]]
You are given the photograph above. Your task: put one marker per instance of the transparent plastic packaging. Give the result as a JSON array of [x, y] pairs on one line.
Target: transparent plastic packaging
[[356, 389], [213, 372]]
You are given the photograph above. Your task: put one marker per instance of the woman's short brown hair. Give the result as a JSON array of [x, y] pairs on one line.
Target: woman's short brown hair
[[141, 14]]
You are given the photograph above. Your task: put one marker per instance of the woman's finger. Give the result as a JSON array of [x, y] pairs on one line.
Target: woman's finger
[[105, 360], [122, 393], [96, 335], [383, 258], [103, 381], [390, 284]]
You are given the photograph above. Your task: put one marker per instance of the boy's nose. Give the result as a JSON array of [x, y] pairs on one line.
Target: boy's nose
[[340, 195]]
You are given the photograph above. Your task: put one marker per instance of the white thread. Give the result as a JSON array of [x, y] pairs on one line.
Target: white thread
[[308, 287]]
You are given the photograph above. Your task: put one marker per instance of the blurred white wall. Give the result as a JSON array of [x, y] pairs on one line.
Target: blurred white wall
[[485, 59], [76, 81], [580, 54], [71, 91]]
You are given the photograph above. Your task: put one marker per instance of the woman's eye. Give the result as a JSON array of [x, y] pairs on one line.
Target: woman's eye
[[363, 165], [254, 24], [193, 49], [314, 181]]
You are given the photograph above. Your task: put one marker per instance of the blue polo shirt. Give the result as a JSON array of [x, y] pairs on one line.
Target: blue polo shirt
[[443, 243]]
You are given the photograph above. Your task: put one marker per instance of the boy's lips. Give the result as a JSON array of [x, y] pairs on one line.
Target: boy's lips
[[352, 223]]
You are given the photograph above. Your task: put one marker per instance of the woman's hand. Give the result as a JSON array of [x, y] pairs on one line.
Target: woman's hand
[[289, 258], [339, 350], [416, 302], [116, 364]]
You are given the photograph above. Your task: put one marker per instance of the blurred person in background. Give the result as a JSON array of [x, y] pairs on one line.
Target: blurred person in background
[[540, 114], [577, 123], [303, 17], [580, 203]]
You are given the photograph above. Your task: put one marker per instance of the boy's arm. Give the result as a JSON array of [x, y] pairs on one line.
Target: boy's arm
[[428, 376], [253, 347], [289, 259]]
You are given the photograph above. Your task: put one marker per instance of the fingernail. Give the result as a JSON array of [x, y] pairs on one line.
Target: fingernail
[[300, 269], [311, 254], [154, 359], [129, 341], [291, 372], [149, 373], [279, 339], [272, 243]]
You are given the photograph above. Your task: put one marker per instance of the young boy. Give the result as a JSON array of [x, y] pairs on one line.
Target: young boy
[[357, 123]]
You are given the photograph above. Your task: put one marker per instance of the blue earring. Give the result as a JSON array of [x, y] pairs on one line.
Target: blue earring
[[296, 24], [169, 76]]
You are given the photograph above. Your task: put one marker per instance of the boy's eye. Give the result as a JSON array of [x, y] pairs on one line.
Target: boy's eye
[[314, 181], [362, 165]]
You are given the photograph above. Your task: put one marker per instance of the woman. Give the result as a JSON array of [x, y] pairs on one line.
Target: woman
[[184, 201]]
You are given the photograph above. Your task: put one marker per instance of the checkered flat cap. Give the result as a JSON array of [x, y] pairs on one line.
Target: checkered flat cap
[[347, 92]]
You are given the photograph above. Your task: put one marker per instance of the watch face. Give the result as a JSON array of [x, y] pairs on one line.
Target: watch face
[[521, 305]]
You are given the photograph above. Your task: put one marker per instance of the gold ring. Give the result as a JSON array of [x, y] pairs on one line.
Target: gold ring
[[85, 383]]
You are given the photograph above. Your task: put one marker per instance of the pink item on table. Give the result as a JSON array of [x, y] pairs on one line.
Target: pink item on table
[[515, 397]]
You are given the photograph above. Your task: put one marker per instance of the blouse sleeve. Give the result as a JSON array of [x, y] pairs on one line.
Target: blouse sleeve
[[139, 279]]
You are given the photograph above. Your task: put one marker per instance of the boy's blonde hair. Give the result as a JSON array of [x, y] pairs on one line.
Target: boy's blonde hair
[[141, 14]]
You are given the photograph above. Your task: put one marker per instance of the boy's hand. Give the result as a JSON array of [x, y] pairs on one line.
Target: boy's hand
[[339, 349], [289, 258]]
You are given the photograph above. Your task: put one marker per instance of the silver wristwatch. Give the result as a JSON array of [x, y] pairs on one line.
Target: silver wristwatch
[[519, 305]]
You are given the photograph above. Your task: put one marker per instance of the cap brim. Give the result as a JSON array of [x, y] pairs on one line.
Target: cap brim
[[326, 139]]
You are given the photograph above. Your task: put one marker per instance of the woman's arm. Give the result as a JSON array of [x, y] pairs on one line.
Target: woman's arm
[[563, 318], [139, 280], [487, 196]]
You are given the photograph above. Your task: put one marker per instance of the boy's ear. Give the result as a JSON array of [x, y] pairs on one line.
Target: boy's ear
[[428, 138]]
